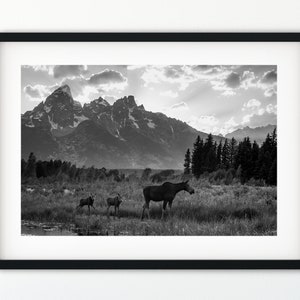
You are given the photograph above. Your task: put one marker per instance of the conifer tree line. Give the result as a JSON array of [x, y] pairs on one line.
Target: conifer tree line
[[245, 160], [64, 171]]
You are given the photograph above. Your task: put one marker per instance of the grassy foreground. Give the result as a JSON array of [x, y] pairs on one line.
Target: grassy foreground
[[212, 210]]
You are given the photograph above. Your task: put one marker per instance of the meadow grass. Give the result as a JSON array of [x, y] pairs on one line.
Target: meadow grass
[[212, 210]]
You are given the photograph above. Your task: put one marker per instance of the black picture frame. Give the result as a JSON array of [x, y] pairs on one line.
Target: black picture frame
[[150, 37]]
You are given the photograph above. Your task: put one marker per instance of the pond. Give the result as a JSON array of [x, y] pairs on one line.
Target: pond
[[51, 229]]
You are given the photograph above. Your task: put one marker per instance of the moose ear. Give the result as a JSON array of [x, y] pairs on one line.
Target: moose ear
[[186, 181]]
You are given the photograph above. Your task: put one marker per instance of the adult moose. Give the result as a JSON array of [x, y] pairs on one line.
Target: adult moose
[[166, 193]]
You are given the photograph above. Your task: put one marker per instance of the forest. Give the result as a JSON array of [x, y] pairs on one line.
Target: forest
[[246, 160]]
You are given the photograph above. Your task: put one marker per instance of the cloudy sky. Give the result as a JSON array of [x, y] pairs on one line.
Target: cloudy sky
[[217, 99]]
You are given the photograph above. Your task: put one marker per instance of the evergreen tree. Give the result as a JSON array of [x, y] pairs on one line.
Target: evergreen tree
[[219, 155], [197, 157], [254, 159], [226, 155], [23, 166], [233, 152], [245, 160], [187, 162], [272, 178], [41, 169], [210, 155], [30, 167], [265, 159]]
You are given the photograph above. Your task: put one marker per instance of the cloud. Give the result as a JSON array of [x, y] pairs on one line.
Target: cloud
[[248, 80], [109, 98], [68, 70], [169, 93], [268, 83], [106, 77], [270, 92], [135, 67], [76, 84], [233, 80], [168, 74], [108, 80], [256, 120], [33, 91], [270, 108], [38, 92], [229, 126], [221, 78], [256, 115], [261, 116], [180, 106], [228, 93], [85, 89], [251, 104], [204, 123], [173, 71], [269, 77]]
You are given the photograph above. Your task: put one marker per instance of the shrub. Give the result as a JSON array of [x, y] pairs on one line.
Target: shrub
[[146, 174]]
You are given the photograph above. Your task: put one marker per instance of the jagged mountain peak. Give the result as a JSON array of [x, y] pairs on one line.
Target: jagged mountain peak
[[119, 135], [127, 101], [64, 89], [101, 101], [62, 95]]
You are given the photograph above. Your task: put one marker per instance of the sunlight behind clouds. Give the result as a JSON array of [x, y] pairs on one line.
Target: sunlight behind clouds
[[210, 98]]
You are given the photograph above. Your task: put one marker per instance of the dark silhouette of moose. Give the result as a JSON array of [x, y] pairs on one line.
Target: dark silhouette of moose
[[114, 201], [89, 201], [166, 193]]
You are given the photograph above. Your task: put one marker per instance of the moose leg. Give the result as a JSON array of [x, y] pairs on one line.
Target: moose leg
[[107, 212], [170, 206], [164, 209], [146, 205], [89, 209], [115, 212], [119, 212], [142, 216], [148, 211]]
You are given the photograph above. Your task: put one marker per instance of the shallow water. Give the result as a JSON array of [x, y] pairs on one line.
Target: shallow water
[[46, 229]]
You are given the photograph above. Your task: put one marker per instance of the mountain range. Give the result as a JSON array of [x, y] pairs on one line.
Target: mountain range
[[121, 135], [258, 134]]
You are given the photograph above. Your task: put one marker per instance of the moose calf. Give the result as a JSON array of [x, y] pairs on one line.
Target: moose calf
[[87, 201], [114, 201]]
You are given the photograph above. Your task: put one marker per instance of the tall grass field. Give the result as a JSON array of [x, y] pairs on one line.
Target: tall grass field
[[214, 210]]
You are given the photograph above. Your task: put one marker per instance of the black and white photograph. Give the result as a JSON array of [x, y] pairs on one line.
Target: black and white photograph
[[148, 150]]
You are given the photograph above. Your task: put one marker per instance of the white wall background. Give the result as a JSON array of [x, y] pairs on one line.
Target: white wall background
[[154, 15]]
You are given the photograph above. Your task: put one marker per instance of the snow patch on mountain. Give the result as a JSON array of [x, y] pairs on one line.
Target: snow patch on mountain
[[53, 124], [117, 135], [132, 118], [30, 123], [47, 108], [38, 115], [79, 119], [151, 124]]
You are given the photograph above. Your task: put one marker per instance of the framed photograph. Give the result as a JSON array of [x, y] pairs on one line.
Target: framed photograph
[[150, 150]]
